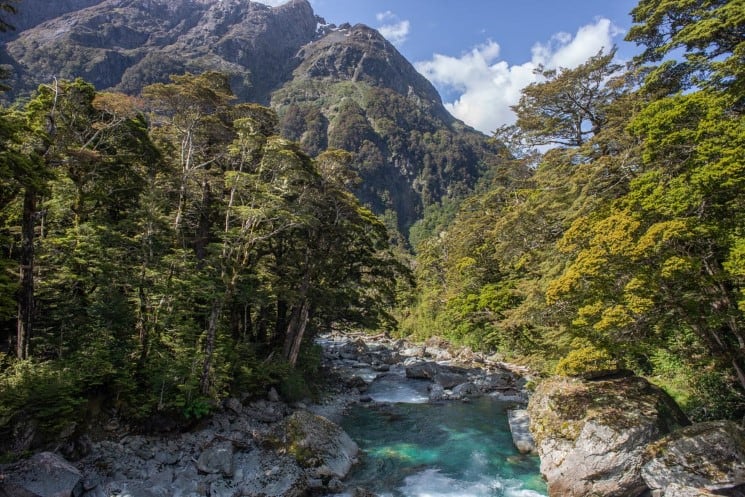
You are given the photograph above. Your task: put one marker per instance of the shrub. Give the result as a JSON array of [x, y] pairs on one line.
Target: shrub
[[584, 360]]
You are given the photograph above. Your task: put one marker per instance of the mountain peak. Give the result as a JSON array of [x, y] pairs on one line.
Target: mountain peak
[[360, 53], [126, 44]]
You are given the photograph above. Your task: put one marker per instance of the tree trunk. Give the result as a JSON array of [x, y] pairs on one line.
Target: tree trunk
[[280, 324], [296, 331], [26, 275], [209, 347]]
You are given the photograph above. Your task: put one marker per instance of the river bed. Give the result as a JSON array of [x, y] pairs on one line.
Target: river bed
[[413, 448]]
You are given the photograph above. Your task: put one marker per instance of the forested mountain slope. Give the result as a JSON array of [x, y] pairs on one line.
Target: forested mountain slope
[[624, 247], [344, 87]]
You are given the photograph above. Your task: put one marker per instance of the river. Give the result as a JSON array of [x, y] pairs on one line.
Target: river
[[414, 448]]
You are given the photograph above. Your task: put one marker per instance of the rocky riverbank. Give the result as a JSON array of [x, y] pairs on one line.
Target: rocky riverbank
[[264, 447], [612, 435], [617, 435]]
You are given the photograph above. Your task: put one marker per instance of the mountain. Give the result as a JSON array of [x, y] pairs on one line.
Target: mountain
[[127, 44], [343, 87], [353, 90]]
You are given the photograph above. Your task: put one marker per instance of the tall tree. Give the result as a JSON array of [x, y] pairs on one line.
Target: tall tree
[[711, 34], [570, 105]]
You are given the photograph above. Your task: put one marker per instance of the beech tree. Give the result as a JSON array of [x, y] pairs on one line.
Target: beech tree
[[570, 105], [711, 34]]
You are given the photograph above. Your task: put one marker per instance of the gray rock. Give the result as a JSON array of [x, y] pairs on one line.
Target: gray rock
[[222, 488], [136, 489], [417, 352], [167, 457], [519, 422], [357, 382], [676, 490], [217, 458], [44, 475], [234, 405], [705, 455], [162, 478], [422, 370], [315, 442], [449, 380], [436, 392], [362, 492], [464, 390], [186, 483], [262, 475], [591, 435], [335, 485], [273, 396]]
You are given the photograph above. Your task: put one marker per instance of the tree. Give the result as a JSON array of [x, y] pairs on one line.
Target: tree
[[570, 105], [657, 262], [711, 33]]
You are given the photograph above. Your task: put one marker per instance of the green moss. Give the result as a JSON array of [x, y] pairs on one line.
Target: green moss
[[562, 406]]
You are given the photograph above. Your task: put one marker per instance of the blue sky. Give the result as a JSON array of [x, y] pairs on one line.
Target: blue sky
[[480, 53]]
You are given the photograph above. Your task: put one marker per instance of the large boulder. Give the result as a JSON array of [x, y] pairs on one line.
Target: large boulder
[[423, 370], [591, 435], [705, 455], [43, 475], [315, 442]]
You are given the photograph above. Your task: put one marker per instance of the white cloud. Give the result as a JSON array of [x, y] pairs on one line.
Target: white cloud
[[486, 87], [394, 30]]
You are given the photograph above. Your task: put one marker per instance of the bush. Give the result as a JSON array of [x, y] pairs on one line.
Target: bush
[[584, 360], [40, 393]]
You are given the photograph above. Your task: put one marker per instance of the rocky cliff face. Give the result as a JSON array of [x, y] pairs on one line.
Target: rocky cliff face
[[30, 13], [343, 87], [125, 44], [353, 90]]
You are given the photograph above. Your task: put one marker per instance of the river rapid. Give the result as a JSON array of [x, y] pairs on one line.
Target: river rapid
[[412, 446]]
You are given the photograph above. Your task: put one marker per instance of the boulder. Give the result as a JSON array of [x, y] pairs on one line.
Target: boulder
[[449, 380], [422, 370], [356, 382], [519, 422], [707, 455], [354, 350], [465, 390], [315, 442], [217, 458], [43, 475], [436, 392], [591, 435]]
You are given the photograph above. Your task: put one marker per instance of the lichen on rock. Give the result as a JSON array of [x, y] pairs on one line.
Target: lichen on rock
[[591, 435], [315, 442], [707, 455]]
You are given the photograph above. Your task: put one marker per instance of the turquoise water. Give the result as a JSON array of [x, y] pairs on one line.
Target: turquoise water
[[450, 449]]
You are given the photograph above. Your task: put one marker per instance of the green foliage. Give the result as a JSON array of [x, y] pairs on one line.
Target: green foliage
[[710, 34], [716, 395], [585, 360], [625, 245], [39, 393], [178, 251]]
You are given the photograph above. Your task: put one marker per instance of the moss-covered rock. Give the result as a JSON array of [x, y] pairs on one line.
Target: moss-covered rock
[[592, 435], [705, 455], [315, 442]]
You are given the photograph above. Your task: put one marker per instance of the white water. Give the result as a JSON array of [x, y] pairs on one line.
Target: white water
[[396, 388]]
